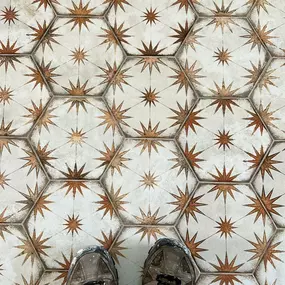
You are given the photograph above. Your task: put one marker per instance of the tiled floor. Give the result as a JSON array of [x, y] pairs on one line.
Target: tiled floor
[[123, 121]]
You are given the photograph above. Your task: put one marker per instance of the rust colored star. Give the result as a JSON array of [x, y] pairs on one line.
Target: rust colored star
[[119, 162], [10, 15], [181, 33], [32, 162], [180, 200], [255, 122], [150, 50], [5, 143], [222, 90], [149, 180], [119, 114], [194, 207], [114, 199], [150, 16], [257, 208], [44, 3], [48, 72], [224, 139], [79, 55], [269, 202], [46, 119], [224, 104], [193, 121], [49, 38], [3, 179], [37, 78], [77, 137], [9, 49], [150, 62], [226, 227], [180, 114], [6, 95], [73, 224], [39, 31], [271, 254], [75, 173], [64, 265], [118, 3], [193, 72], [77, 103], [78, 89], [192, 156], [3, 228], [150, 97], [193, 246], [258, 247], [192, 39], [268, 165], [149, 219], [180, 79], [182, 3], [225, 176], [256, 157], [81, 15], [180, 163], [254, 73], [107, 156], [223, 56], [224, 189]]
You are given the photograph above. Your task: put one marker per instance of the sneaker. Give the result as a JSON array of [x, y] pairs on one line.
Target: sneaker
[[168, 263], [92, 266]]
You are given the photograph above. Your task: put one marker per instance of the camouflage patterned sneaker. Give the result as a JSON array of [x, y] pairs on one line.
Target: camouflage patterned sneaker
[[168, 263], [92, 266]]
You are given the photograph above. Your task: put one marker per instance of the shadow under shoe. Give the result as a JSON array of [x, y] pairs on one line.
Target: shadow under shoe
[[168, 263], [92, 266]]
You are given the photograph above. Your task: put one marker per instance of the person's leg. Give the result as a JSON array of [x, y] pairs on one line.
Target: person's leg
[[92, 266], [168, 263]]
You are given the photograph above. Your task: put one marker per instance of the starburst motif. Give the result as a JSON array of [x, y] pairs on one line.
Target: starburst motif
[[226, 227], [78, 89], [49, 38], [114, 248], [150, 49], [9, 15], [79, 55], [48, 72], [180, 114], [258, 247], [32, 162], [223, 56], [223, 91], [46, 119], [5, 130], [256, 157], [9, 49], [44, 3], [149, 180], [150, 62], [271, 254], [150, 97], [193, 208], [192, 39], [268, 80], [224, 176], [181, 33], [31, 199], [180, 163], [180, 79], [39, 31], [77, 103], [64, 265], [119, 162], [149, 219], [119, 114], [28, 250], [80, 14], [182, 3], [76, 137], [26, 282], [181, 199], [73, 224], [148, 134], [257, 208], [107, 156], [193, 121], [224, 139], [254, 73], [150, 16], [113, 76], [118, 3], [192, 156], [269, 202], [255, 122], [75, 173], [224, 189], [36, 76], [114, 200], [5, 143], [74, 187], [193, 72], [5, 95], [4, 228], [268, 165], [193, 246], [267, 115]]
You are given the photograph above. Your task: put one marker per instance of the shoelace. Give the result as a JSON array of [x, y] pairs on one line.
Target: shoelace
[[167, 280]]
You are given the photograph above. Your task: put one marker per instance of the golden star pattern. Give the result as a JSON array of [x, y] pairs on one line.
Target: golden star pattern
[[123, 122]]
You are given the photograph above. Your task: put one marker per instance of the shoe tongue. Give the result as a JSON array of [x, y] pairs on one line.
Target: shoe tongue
[[167, 280]]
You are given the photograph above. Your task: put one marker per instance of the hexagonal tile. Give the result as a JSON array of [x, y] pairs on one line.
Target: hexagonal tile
[[226, 8], [226, 228], [74, 7], [73, 218], [19, 263], [154, 100], [271, 269], [148, 27], [268, 20], [224, 140], [131, 249], [220, 58], [21, 100], [23, 24], [21, 180], [76, 138], [79, 56], [269, 98], [161, 182], [269, 183], [208, 279]]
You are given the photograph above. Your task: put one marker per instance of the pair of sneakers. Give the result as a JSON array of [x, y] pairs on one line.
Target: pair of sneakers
[[168, 263]]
